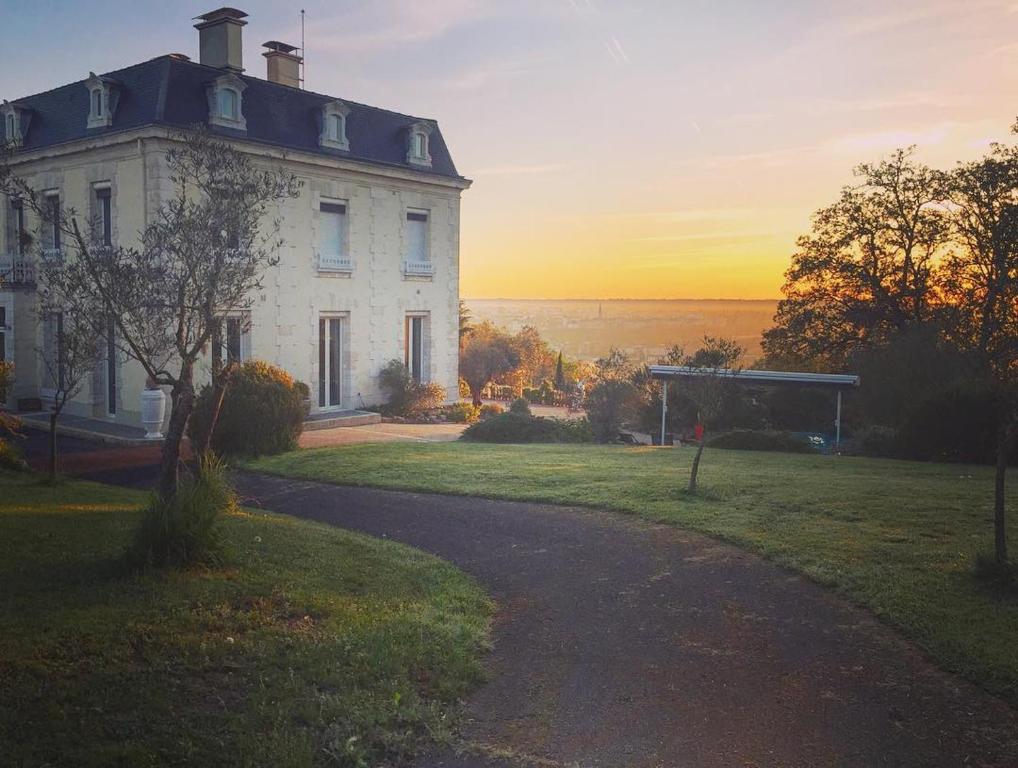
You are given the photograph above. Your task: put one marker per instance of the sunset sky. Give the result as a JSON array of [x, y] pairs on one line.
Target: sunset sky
[[618, 149]]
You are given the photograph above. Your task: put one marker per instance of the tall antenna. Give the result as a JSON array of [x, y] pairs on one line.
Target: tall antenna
[[303, 53]]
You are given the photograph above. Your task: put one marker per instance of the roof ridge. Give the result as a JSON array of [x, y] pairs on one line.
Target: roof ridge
[[84, 80]]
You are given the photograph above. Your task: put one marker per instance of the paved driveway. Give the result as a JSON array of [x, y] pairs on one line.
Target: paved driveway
[[622, 644]]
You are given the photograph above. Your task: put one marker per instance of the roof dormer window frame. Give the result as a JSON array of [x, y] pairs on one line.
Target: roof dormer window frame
[[14, 120], [419, 143], [333, 126], [226, 102], [102, 100]]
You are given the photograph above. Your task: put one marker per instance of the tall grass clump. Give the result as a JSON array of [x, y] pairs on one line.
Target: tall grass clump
[[186, 529]]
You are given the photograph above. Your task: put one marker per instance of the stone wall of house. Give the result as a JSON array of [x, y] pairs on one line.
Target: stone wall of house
[[374, 298]]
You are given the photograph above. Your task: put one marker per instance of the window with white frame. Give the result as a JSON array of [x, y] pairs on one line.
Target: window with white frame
[[16, 236], [418, 141], [415, 340], [333, 120], [11, 122], [53, 352], [231, 340], [104, 215], [226, 102], [111, 367], [418, 254], [332, 236], [51, 224], [331, 366], [3, 346]]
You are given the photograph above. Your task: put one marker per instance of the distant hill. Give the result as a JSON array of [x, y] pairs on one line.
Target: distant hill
[[644, 329]]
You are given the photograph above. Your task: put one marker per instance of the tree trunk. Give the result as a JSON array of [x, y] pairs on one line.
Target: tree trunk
[[696, 468], [219, 386], [475, 393], [182, 402], [53, 445], [999, 520]]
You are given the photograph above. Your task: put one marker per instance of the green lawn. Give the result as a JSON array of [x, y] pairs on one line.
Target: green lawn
[[316, 646], [898, 537]]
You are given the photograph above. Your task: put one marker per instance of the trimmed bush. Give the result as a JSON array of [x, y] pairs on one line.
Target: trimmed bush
[[751, 440], [515, 427], [263, 412], [407, 398], [462, 413], [187, 529]]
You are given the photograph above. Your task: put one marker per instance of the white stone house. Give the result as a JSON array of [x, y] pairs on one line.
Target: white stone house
[[370, 267]]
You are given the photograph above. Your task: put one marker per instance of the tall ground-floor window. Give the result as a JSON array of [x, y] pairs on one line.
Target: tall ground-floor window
[[3, 346], [52, 351], [111, 368], [330, 361], [416, 346], [231, 340]]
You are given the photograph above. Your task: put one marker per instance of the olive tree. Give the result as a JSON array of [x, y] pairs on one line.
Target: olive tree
[[200, 257]]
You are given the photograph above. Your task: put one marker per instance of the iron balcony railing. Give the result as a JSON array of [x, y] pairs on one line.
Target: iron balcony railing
[[334, 263], [16, 270], [418, 268]]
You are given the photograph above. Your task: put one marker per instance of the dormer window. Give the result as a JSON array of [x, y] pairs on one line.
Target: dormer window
[[102, 100], [14, 118], [418, 139], [226, 102], [333, 126]]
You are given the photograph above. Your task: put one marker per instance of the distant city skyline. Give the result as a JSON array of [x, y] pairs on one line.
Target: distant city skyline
[[631, 149]]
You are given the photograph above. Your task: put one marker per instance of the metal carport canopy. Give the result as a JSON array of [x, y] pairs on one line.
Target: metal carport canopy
[[836, 381]]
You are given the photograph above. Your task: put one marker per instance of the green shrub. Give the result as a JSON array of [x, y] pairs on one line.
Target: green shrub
[[520, 406], [462, 413], [491, 409], [751, 440], [187, 529], [10, 457], [407, 398], [876, 441], [611, 404], [263, 412], [957, 424], [515, 427]]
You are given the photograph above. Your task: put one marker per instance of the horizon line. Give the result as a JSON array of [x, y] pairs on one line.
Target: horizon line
[[610, 298]]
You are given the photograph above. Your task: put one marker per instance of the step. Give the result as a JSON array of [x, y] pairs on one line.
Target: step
[[333, 419]]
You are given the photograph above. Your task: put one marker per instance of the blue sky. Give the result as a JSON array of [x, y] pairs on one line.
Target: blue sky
[[618, 148]]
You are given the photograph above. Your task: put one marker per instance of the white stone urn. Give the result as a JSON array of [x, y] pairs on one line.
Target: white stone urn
[[153, 409]]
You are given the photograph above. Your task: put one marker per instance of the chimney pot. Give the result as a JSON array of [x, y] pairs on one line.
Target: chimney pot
[[221, 40], [282, 64]]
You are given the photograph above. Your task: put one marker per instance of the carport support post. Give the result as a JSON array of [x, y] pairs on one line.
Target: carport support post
[[664, 408], [837, 423]]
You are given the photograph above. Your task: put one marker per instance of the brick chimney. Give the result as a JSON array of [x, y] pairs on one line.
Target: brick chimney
[[221, 39], [283, 65]]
